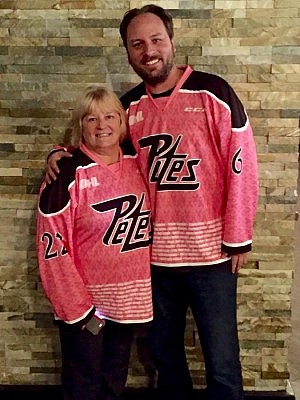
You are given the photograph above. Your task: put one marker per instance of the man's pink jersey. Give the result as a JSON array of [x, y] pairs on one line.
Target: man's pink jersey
[[197, 152]]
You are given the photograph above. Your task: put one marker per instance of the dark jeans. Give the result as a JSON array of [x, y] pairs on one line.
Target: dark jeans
[[210, 292], [95, 367]]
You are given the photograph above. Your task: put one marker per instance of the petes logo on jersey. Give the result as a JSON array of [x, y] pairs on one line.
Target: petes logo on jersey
[[130, 226], [169, 169]]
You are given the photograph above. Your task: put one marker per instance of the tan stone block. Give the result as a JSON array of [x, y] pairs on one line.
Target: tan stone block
[[4, 32], [259, 4], [17, 201], [228, 13], [230, 4], [284, 157], [271, 13], [286, 4], [250, 309], [286, 78], [100, 12], [250, 360], [291, 182], [277, 305], [163, 3], [95, 41], [253, 59], [267, 240], [284, 289], [88, 33], [293, 86], [285, 69], [277, 297], [274, 352], [228, 50], [289, 175], [193, 33], [283, 134], [10, 172], [254, 336], [271, 374], [270, 385], [20, 41], [272, 277], [275, 37]]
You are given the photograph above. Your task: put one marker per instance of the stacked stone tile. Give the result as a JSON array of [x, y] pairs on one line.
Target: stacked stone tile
[[49, 51]]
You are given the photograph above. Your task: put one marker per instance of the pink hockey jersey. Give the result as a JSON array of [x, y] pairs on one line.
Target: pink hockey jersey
[[197, 151], [93, 241]]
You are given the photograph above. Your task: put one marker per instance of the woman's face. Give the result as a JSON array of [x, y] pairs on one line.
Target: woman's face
[[101, 130]]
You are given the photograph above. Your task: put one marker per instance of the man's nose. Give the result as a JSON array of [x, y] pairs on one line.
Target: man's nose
[[149, 48]]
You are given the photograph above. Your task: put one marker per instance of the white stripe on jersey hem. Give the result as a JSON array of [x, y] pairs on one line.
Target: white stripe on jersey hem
[[200, 263], [237, 244], [129, 321], [75, 320]]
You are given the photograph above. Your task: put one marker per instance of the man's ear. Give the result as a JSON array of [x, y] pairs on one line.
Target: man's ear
[[173, 46]]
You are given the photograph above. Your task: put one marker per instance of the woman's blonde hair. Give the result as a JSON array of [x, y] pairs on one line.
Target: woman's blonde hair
[[94, 96]]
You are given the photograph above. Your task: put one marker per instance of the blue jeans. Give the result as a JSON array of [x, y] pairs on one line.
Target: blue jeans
[[94, 367], [210, 292]]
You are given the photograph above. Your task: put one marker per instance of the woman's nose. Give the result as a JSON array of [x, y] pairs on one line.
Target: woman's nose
[[101, 123]]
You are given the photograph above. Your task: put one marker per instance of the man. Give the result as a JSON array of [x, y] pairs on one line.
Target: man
[[197, 152]]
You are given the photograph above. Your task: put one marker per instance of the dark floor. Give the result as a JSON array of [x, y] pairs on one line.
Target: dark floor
[[54, 393]]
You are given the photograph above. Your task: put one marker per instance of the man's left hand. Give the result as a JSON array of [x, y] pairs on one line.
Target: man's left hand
[[238, 260]]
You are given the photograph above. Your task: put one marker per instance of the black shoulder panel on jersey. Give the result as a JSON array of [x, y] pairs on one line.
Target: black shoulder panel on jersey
[[133, 94], [222, 90], [56, 196], [128, 148]]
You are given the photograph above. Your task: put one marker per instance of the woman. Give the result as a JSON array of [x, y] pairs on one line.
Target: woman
[[93, 241]]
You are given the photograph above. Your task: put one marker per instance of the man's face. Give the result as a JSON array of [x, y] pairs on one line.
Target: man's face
[[149, 48]]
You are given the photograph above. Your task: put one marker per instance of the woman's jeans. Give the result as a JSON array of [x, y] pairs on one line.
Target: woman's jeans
[[95, 367], [210, 292]]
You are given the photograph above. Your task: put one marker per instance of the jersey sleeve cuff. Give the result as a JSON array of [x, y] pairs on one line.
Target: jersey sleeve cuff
[[236, 250]]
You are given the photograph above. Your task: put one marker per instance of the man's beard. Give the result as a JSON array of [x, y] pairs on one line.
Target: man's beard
[[160, 77]]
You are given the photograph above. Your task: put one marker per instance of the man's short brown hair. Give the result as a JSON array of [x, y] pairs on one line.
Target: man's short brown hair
[[150, 8]]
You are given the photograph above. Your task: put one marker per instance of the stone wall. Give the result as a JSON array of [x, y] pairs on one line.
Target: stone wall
[[49, 51]]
